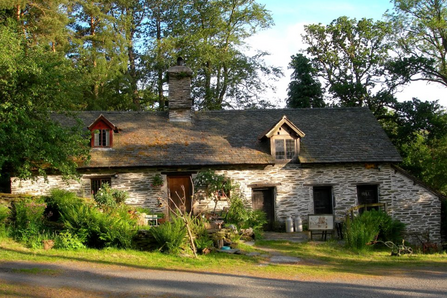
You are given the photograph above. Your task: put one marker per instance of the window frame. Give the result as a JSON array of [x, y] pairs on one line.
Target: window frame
[[98, 138], [284, 139], [95, 187]]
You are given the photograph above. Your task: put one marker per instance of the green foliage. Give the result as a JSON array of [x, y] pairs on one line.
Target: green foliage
[[28, 214], [243, 217], [419, 37], [157, 180], [34, 83], [96, 229], [4, 214], [361, 231], [304, 88], [214, 184], [170, 235], [110, 198], [202, 239], [67, 241], [350, 56]]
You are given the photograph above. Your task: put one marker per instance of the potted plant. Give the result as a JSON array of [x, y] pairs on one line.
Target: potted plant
[[157, 181]]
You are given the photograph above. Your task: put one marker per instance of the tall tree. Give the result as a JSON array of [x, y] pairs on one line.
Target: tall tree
[[304, 88], [421, 38], [33, 83], [212, 39], [42, 22], [351, 56], [99, 51]]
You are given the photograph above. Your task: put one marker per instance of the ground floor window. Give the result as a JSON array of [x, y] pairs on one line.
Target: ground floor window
[[96, 184], [367, 194], [323, 202]]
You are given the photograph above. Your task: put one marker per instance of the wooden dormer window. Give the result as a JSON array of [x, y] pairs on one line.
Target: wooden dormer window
[[102, 133], [101, 137], [285, 148], [284, 140]]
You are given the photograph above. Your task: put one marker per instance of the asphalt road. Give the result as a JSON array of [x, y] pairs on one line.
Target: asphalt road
[[117, 281]]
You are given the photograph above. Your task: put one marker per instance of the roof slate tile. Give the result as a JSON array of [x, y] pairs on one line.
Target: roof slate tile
[[332, 135]]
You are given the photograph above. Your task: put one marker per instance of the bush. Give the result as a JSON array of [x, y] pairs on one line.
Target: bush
[[59, 200], [237, 212], [4, 215], [170, 235], [28, 221], [65, 240], [97, 229], [369, 226], [107, 197], [243, 217]]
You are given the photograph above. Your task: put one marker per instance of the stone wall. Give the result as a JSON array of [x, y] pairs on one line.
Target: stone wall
[[407, 201]]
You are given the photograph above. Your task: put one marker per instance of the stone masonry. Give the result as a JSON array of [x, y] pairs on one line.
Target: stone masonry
[[407, 201]]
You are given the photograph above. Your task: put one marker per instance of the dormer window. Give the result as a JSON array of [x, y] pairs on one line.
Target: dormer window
[[102, 132], [284, 139], [101, 138], [285, 148]]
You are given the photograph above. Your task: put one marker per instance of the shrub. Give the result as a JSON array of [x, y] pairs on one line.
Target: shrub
[[66, 240], [237, 213], [369, 226], [28, 221], [4, 215], [107, 197], [97, 229], [58, 200], [256, 220], [170, 235]]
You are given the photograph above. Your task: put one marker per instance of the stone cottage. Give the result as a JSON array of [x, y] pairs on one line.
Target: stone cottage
[[288, 162]]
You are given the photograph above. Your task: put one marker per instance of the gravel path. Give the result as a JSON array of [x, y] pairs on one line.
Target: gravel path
[[92, 280]]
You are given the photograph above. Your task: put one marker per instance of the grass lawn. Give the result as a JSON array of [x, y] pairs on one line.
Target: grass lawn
[[325, 260]]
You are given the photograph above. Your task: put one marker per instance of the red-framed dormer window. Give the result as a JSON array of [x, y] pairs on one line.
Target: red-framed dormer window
[[102, 133]]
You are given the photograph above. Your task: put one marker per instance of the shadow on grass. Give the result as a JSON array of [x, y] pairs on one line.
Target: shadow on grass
[[377, 262], [122, 282]]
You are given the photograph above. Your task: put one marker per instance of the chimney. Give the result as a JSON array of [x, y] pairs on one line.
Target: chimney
[[180, 101]]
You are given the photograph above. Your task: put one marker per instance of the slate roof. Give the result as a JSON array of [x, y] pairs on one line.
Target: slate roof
[[338, 135]]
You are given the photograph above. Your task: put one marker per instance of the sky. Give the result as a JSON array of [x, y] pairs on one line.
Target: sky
[[284, 39]]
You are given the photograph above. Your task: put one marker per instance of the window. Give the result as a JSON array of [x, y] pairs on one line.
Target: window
[[101, 138], [97, 183], [285, 148], [102, 133], [367, 194], [323, 203]]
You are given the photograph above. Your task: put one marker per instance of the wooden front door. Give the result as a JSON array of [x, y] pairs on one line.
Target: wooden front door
[[263, 199], [180, 192]]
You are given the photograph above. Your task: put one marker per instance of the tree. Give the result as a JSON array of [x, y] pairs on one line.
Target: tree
[[100, 52], [33, 83], [421, 39], [351, 56], [304, 89], [211, 38], [419, 131]]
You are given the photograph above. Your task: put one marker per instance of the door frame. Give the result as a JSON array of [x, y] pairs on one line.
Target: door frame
[[271, 214], [188, 190]]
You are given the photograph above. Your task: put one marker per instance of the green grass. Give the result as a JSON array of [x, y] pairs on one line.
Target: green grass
[[318, 260]]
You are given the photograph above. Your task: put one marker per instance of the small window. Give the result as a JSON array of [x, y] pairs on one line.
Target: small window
[[101, 138], [366, 195], [97, 183], [285, 148]]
